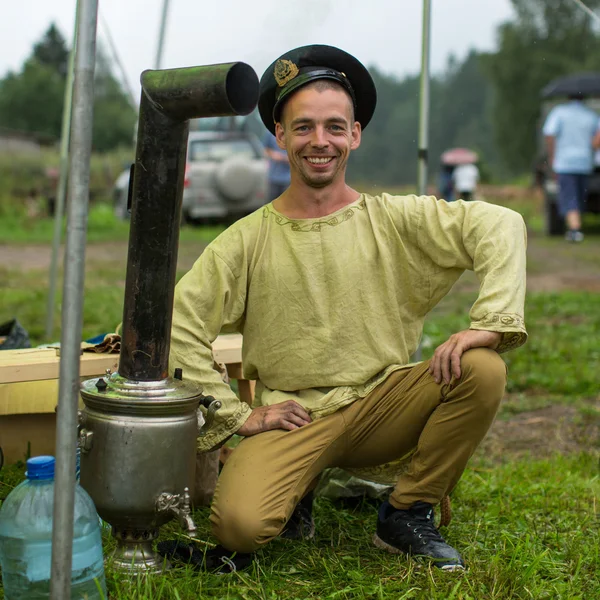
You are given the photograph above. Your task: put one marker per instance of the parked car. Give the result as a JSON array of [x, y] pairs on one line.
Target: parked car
[[555, 93], [225, 177]]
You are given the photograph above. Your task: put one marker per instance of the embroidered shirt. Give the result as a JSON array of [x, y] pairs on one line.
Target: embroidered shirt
[[329, 307]]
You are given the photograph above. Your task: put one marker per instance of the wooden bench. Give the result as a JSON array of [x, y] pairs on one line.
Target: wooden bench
[[29, 392]]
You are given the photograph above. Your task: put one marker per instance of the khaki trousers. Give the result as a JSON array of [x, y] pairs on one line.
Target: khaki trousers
[[267, 474]]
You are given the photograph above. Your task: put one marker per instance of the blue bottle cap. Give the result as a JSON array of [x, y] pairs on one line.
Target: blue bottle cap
[[40, 467]]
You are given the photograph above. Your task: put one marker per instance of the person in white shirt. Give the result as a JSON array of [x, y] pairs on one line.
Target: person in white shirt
[[465, 178]]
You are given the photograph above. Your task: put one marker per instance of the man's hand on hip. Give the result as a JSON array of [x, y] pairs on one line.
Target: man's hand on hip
[[445, 361], [285, 415]]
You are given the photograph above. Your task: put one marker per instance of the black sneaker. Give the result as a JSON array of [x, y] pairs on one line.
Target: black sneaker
[[413, 532], [300, 525]]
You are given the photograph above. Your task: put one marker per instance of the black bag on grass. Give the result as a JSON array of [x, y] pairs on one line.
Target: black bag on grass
[[13, 336]]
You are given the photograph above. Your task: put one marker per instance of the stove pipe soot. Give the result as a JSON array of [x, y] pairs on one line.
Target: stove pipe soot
[[138, 430], [169, 99]]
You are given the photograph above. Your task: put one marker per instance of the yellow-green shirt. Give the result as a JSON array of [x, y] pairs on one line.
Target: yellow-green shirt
[[329, 307]]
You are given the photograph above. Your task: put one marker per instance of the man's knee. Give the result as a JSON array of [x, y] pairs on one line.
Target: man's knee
[[485, 372], [240, 528]]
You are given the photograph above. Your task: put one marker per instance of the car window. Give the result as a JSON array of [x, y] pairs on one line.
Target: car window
[[218, 150]]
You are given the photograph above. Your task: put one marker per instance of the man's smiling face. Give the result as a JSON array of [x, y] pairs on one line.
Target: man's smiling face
[[318, 131]]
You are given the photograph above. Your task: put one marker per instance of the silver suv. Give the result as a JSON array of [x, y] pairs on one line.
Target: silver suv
[[226, 177]]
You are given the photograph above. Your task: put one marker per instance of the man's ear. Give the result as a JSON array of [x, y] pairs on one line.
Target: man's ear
[[356, 135], [280, 135]]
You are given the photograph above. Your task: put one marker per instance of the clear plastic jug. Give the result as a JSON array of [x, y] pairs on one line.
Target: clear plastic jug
[[26, 539]]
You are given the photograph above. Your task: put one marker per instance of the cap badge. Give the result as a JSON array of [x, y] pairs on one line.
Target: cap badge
[[285, 70]]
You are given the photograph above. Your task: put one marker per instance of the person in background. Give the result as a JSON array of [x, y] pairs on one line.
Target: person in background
[[279, 167], [465, 178], [569, 132]]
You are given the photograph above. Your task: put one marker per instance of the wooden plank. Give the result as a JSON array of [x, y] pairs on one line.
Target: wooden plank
[[36, 364], [227, 348], [246, 390], [234, 370], [47, 367]]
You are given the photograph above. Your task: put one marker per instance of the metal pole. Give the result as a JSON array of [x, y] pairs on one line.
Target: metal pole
[[423, 119], [424, 102], [62, 185], [161, 35], [72, 309]]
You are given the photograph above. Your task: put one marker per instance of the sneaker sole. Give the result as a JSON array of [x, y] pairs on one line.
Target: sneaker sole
[[377, 541]]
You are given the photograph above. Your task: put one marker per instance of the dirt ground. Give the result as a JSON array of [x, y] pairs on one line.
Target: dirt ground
[[541, 432], [553, 265]]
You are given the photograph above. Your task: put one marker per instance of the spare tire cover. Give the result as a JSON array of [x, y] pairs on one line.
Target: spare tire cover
[[236, 178]]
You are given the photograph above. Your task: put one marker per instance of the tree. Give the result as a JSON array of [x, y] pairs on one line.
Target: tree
[[114, 117], [548, 39], [52, 51], [32, 100], [459, 116]]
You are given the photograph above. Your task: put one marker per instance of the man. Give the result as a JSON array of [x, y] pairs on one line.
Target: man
[[330, 288], [279, 167], [465, 178], [569, 134]]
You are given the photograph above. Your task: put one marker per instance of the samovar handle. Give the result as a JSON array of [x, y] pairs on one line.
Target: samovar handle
[[212, 406]]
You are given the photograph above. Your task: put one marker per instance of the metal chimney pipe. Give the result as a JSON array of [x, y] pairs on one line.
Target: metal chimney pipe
[[169, 99]]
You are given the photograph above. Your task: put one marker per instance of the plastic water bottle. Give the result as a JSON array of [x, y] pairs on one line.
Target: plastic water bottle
[[26, 539]]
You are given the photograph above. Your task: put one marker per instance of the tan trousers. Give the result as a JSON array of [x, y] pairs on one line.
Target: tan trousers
[[267, 474]]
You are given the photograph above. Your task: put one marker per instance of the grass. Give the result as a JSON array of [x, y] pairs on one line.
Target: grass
[[564, 330], [103, 226], [528, 530], [527, 524]]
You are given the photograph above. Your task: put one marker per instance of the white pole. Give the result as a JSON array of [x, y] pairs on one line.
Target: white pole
[[424, 102], [423, 120], [72, 308]]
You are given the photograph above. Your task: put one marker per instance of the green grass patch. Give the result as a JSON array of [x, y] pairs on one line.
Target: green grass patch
[[562, 354], [103, 226], [527, 529]]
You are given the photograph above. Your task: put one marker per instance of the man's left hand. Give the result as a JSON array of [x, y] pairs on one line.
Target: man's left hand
[[445, 361]]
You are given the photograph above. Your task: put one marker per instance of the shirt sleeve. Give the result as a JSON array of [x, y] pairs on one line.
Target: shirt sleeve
[[491, 241], [552, 124], [209, 299]]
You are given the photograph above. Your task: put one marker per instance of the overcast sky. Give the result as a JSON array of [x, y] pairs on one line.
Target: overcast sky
[[385, 33]]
